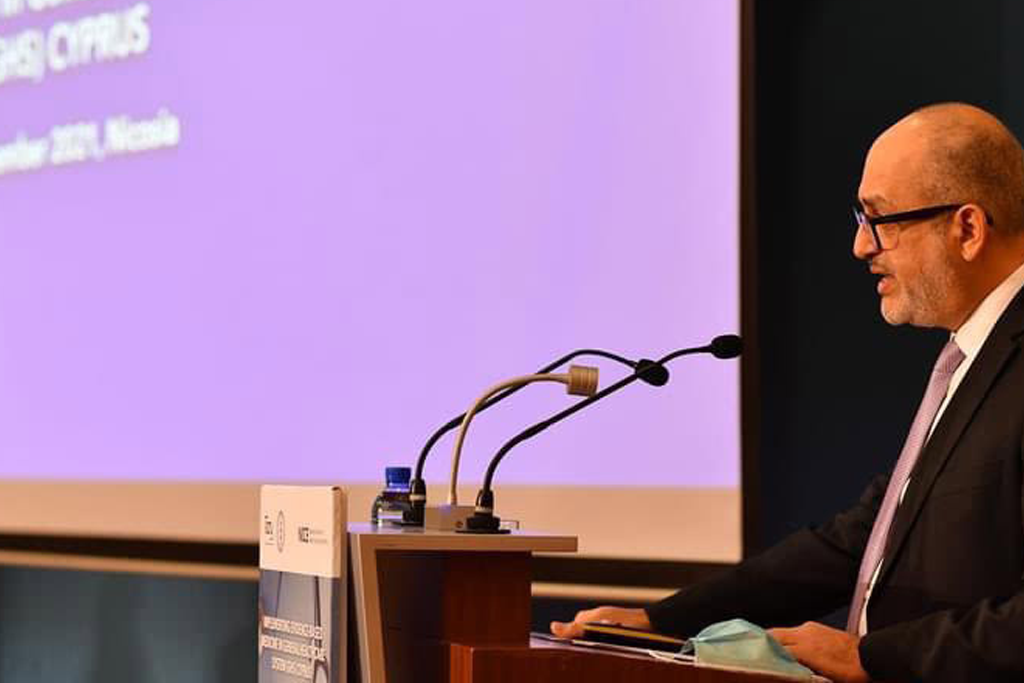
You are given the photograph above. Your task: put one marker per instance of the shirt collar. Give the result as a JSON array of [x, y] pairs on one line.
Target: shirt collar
[[973, 333]]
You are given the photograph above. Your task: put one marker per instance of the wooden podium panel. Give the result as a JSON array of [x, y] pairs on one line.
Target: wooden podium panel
[[479, 598], [416, 592]]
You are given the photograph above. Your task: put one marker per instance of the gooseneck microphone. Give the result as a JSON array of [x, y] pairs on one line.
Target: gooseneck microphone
[[484, 521], [579, 381], [653, 374]]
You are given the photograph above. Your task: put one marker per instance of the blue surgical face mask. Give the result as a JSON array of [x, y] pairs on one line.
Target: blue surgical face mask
[[740, 644]]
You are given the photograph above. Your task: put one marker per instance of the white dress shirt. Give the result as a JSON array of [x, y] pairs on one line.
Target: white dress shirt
[[970, 338]]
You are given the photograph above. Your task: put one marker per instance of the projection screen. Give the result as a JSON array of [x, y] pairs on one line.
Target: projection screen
[[265, 242]]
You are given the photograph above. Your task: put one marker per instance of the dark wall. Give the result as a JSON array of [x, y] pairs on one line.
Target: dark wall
[[100, 627], [838, 386]]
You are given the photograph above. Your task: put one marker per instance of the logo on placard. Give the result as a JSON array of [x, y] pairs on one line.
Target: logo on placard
[[280, 532]]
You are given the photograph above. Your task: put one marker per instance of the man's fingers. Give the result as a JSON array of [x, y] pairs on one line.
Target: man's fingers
[[795, 648], [789, 638], [566, 629], [574, 629], [598, 614], [609, 615]]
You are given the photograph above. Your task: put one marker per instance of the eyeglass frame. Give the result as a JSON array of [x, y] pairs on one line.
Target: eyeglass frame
[[915, 214]]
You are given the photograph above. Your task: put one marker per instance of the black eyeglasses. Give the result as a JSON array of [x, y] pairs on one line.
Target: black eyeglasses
[[888, 237]]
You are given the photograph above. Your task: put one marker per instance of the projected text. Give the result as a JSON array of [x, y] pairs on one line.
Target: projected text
[[109, 36], [89, 141]]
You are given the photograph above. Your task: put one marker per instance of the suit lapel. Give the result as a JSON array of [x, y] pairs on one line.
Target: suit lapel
[[997, 351]]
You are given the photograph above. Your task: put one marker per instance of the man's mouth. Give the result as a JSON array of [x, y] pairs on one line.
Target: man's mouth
[[885, 284]]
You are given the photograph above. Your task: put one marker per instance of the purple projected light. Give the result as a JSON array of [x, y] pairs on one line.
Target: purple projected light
[[262, 241]]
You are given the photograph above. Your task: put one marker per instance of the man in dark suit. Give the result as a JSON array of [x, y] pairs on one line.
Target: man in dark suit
[[931, 559]]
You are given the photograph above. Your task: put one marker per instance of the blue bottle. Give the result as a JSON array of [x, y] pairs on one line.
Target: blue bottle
[[390, 503]]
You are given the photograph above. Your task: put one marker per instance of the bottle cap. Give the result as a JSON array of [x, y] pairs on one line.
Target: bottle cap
[[397, 476]]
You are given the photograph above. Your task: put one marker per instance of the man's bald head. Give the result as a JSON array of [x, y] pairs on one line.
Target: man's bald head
[[970, 156], [936, 269]]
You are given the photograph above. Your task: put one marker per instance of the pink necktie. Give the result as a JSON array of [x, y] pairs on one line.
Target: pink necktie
[[938, 385]]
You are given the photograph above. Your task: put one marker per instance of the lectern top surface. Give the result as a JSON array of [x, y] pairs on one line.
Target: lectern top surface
[[431, 539]]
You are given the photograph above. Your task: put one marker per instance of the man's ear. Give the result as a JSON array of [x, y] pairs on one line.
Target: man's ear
[[972, 230]]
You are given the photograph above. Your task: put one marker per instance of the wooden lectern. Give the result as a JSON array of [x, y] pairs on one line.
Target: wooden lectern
[[419, 593], [443, 606]]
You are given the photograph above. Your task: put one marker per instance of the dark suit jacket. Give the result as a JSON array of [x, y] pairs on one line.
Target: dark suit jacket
[[949, 601]]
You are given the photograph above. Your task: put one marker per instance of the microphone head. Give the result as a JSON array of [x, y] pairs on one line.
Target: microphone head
[[651, 372], [726, 346], [582, 380]]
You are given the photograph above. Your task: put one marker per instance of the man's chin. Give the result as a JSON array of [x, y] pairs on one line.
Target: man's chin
[[896, 315], [892, 313]]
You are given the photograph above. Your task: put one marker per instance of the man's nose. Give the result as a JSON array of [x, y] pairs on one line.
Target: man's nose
[[864, 246]]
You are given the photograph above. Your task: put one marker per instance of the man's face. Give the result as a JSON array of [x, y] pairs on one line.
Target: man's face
[[918, 278]]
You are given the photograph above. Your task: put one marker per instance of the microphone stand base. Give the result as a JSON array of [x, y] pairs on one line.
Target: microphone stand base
[[483, 523], [447, 517]]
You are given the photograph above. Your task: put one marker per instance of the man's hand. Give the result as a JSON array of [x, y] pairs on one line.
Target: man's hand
[[637, 618], [830, 652]]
